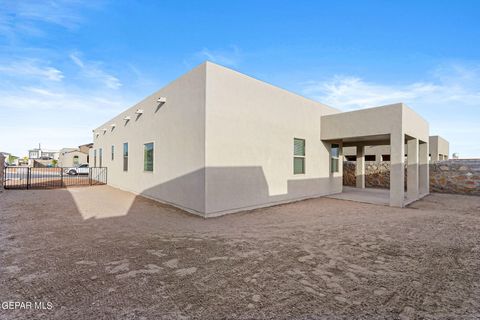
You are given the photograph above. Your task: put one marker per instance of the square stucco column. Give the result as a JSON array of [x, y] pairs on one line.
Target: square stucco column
[[412, 169], [424, 175], [360, 167], [397, 169]]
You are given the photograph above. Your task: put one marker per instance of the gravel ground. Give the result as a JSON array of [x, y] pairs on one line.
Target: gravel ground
[[101, 253]]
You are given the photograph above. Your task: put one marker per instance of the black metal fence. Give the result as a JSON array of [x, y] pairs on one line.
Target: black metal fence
[[49, 178]]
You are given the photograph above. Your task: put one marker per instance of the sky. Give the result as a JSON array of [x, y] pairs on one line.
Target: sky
[[68, 66]]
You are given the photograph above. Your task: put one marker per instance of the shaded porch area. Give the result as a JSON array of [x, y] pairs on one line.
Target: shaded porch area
[[370, 195], [396, 126]]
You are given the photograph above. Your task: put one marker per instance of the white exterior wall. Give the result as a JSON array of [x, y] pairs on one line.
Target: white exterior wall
[[250, 127], [177, 129]]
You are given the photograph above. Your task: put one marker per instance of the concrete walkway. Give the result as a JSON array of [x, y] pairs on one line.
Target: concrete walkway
[[368, 195]]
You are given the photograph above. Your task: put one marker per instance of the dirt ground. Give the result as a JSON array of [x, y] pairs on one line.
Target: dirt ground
[[101, 253]]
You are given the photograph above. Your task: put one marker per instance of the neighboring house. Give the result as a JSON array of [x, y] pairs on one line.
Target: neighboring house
[[85, 148], [43, 154], [39, 157], [216, 141], [438, 150], [72, 157]]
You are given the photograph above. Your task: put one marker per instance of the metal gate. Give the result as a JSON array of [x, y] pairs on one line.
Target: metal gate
[[49, 178]]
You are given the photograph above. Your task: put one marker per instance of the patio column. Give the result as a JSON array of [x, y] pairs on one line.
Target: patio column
[[397, 169], [360, 167], [423, 176], [412, 169]]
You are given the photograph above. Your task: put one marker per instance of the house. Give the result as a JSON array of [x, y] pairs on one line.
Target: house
[[438, 150], [73, 157], [216, 141], [43, 154]]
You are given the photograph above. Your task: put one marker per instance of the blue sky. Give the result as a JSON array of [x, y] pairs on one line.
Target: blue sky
[[68, 66]]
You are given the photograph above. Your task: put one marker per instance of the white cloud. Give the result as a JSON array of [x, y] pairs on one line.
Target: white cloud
[[450, 84], [27, 16], [231, 56], [31, 68], [449, 100], [92, 70]]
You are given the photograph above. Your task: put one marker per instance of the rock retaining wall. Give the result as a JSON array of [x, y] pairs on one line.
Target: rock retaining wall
[[455, 176], [450, 176]]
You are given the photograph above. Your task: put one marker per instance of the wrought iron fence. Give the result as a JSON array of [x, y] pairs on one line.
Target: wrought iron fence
[[49, 178]]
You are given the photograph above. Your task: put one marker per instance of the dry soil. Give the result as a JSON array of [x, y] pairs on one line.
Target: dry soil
[[97, 252]]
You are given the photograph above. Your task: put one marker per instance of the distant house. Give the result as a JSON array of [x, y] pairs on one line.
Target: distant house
[[74, 157], [43, 154]]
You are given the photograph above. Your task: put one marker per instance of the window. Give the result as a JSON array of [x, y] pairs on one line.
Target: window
[[351, 158], [335, 155], [113, 152], [100, 152], [385, 157], [370, 157], [298, 156], [95, 157], [125, 156], [75, 160], [148, 156]]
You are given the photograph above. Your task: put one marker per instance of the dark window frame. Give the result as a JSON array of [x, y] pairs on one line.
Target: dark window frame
[[148, 167], [125, 156]]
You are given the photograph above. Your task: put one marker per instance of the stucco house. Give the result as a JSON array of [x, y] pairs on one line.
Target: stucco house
[[72, 157], [216, 141], [439, 149]]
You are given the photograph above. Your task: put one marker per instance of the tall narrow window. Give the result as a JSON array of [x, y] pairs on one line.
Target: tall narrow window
[[335, 155], [95, 157], [75, 161], [298, 156], [100, 156], [113, 152], [125, 156], [148, 157]]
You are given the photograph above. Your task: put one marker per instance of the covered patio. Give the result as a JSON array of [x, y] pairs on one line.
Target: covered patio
[[370, 195], [395, 125]]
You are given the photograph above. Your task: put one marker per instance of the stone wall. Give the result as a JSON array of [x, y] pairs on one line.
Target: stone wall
[[455, 176], [450, 176], [377, 174]]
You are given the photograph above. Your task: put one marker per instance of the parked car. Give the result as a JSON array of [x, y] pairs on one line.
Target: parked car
[[82, 169]]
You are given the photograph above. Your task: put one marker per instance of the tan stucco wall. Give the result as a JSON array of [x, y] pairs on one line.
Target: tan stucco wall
[[177, 129], [223, 143], [377, 151], [250, 128], [438, 149], [66, 159]]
